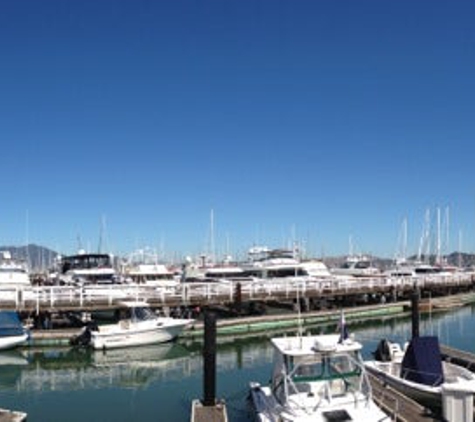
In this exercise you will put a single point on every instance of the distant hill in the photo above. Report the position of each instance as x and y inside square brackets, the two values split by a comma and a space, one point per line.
[37, 257]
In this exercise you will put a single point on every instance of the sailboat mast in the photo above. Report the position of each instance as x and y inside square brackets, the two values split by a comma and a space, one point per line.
[212, 251]
[438, 258]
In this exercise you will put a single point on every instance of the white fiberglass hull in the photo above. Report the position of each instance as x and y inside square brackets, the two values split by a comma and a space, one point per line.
[10, 342]
[126, 333]
[430, 396]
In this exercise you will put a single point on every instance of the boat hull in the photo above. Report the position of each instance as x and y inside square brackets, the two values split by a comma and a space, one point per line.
[426, 395]
[10, 342]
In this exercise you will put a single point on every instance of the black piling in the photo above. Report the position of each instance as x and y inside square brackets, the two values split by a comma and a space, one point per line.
[238, 298]
[209, 409]
[209, 357]
[415, 311]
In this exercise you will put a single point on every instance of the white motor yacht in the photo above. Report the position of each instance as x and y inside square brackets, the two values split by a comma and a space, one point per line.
[356, 266]
[12, 271]
[86, 268]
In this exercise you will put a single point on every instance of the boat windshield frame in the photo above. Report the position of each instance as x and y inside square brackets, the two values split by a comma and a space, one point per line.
[142, 313]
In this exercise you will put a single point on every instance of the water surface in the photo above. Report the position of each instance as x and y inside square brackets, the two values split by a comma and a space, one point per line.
[158, 383]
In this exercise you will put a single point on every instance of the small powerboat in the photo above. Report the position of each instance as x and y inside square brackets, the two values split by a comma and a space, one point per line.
[418, 371]
[137, 325]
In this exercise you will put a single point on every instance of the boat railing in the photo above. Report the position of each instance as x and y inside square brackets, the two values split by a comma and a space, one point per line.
[255, 288]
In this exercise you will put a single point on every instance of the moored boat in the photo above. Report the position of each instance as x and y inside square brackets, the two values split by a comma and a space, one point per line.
[316, 378]
[136, 325]
[418, 371]
[12, 331]
[13, 272]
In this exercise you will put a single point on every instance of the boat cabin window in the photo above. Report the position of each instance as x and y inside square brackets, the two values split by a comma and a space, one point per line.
[323, 368]
[12, 270]
[85, 261]
[285, 272]
[142, 314]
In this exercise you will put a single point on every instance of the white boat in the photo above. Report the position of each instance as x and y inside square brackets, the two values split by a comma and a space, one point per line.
[418, 370]
[13, 272]
[151, 275]
[12, 332]
[86, 268]
[137, 325]
[283, 265]
[356, 266]
[143, 267]
[316, 378]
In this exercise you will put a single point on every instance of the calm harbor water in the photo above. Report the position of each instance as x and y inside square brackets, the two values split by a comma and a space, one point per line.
[158, 383]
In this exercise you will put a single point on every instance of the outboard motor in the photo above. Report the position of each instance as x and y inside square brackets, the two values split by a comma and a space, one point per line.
[83, 339]
[383, 351]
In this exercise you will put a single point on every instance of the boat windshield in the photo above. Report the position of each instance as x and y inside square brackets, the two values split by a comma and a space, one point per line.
[142, 314]
[323, 367]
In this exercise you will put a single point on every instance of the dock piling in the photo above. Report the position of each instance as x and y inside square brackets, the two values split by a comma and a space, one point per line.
[209, 409]
[209, 357]
[415, 311]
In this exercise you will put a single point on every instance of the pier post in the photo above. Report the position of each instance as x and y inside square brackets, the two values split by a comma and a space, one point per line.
[209, 409]
[209, 357]
[415, 311]
[238, 299]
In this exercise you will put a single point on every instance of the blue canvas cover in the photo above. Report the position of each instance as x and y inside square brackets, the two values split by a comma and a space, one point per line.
[10, 324]
[422, 362]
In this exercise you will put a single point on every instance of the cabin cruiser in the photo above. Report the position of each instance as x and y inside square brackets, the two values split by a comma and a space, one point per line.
[280, 264]
[143, 267]
[137, 325]
[418, 371]
[152, 275]
[316, 378]
[13, 272]
[356, 266]
[86, 268]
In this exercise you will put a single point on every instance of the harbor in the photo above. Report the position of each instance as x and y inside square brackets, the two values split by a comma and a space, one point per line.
[231, 333]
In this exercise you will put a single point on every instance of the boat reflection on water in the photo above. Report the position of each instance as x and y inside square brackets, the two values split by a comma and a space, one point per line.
[12, 358]
[51, 369]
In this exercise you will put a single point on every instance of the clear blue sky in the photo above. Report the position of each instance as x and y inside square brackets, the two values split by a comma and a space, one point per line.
[313, 120]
